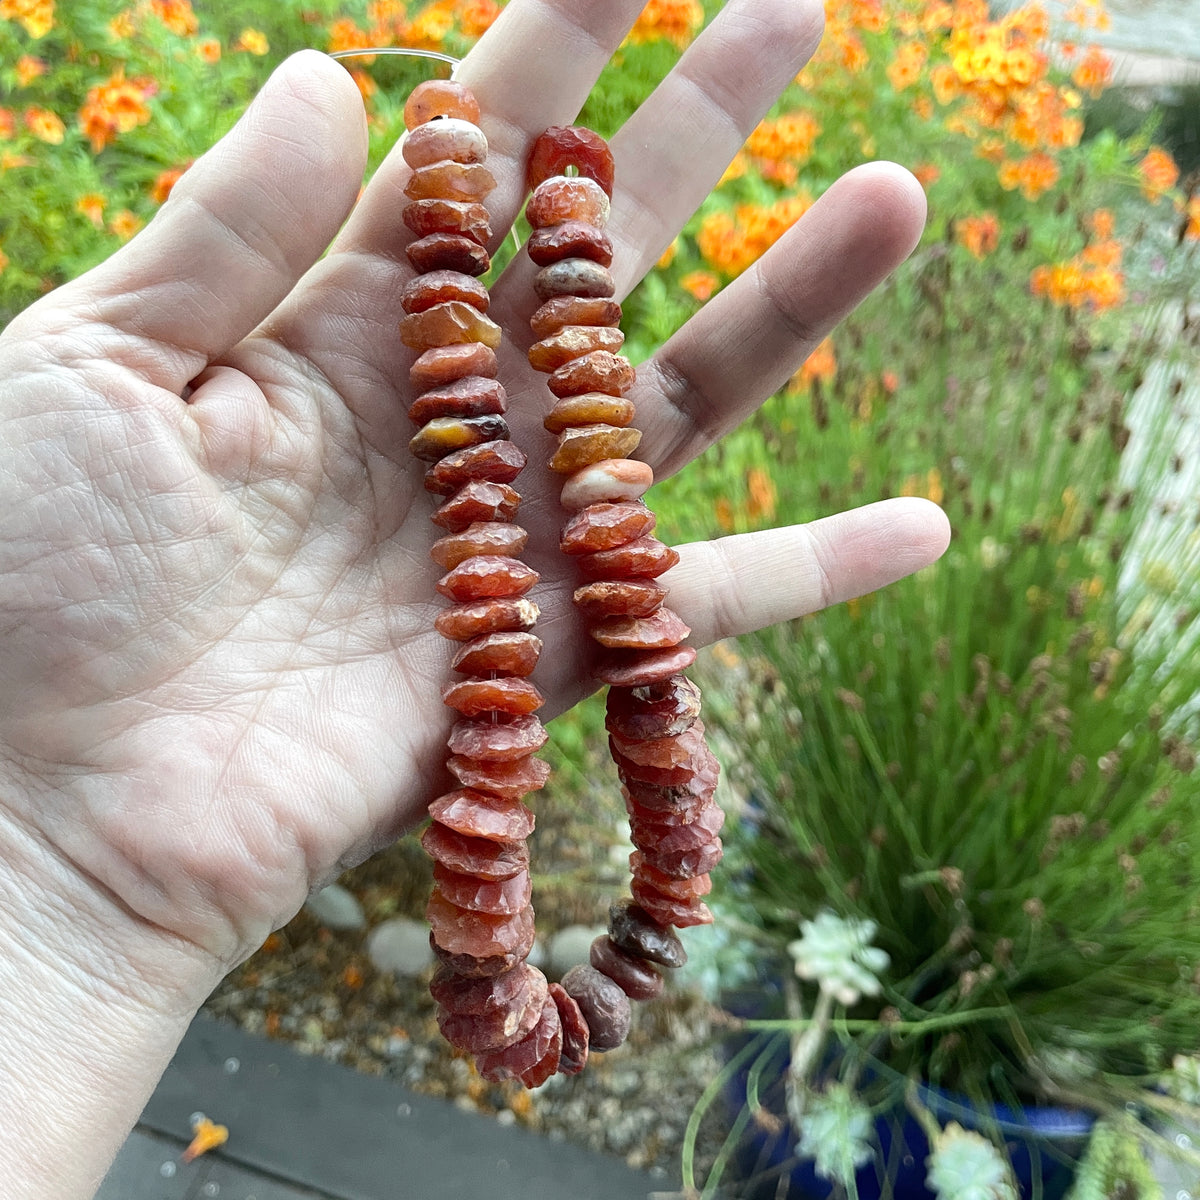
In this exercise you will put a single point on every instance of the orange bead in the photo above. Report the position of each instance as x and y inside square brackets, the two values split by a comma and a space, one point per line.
[465, 622]
[484, 537]
[471, 396]
[436, 287]
[637, 668]
[604, 527]
[448, 251]
[644, 557]
[662, 629]
[564, 146]
[440, 98]
[510, 695]
[509, 780]
[571, 239]
[619, 598]
[591, 408]
[560, 311]
[497, 741]
[450, 181]
[599, 371]
[436, 215]
[448, 324]
[505, 653]
[441, 365]
[482, 576]
[478, 500]
[570, 343]
[477, 814]
[587, 444]
[563, 199]
[444, 435]
[496, 462]
[453, 138]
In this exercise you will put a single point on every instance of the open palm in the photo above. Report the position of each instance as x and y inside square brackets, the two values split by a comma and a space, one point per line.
[220, 677]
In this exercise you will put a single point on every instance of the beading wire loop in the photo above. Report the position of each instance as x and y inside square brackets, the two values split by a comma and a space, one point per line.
[410, 52]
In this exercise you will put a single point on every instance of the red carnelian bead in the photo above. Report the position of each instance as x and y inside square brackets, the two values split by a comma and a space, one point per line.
[605, 526]
[523, 1058]
[496, 462]
[509, 694]
[508, 780]
[619, 598]
[461, 931]
[547, 1065]
[475, 968]
[499, 1025]
[571, 342]
[571, 239]
[436, 287]
[574, 1054]
[637, 978]
[609, 481]
[498, 896]
[453, 138]
[563, 146]
[561, 311]
[681, 913]
[464, 622]
[662, 710]
[478, 500]
[444, 435]
[677, 889]
[674, 839]
[450, 252]
[685, 797]
[466, 995]
[661, 752]
[586, 444]
[441, 365]
[644, 557]
[484, 537]
[592, 408]
[574, 277]
[435, 215]
[504, 653]
[637, 668]
[476, 814]
[440, 98]
[659, 631]
[563, 199]
[468, 182]
[482, 576]
[447, 324]
[474, 856]
[472, 396]
[497, 741]
[600, 371]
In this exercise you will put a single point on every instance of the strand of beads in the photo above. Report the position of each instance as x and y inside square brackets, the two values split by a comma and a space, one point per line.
[492, 1003]
[668, 773]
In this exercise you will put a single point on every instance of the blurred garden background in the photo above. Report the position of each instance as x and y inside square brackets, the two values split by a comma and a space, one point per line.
[1032, 368]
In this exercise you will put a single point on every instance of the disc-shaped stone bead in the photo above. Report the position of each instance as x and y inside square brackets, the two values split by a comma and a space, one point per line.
[604, 1005]
[574, 277]
[609, 480]
[436, 287]
[637, 978]
[662, 629]
[450, 181]
[509, 694]
[463, 622]
[448, 251]
[636, 668]
[644, 557]
[677, 889]
[599, 371]
[684, 864]
[503, 653]
[453, 138]
[586, 444]
[670, 839]
[605, 526]
[619, 598]
[592, 408]
[497, 741]
[440, 98]
[681, 913]
[568, 198]
[444, 435]
[508, 780]
[633, 930]
[470, 996]
[478, 501]
[560, 311]
[482, 576]
[435, 215]
[562, 146]
[447, 324]
[527, 1059]
[573, 1057]
[474, 856]
[475, 968]
[683, 813]
[666, 709]
[500, 1025]
[571, 239]
[477, 814]
[442, 365]
[661, 752]
[482, 935]
[501, 897]
[571, 342]
[651, 799]
[483, 537]
[496, 462]
[473, 396]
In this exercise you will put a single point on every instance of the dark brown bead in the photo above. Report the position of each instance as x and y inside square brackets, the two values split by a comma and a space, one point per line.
[662, 710]
[449, 252]
[560, 311]
[642, 558]
[478, 500]
[571, 342]
[571, 239]
[474, 856]
[483, 576]
[564, 146]
[479, 815]
[509, 694]
[436, 287]
[633, 930]
[452, 138]
[504, 653]
[604, 527]
[499, 741]
[495, 462]
[600, 371]
[450, 181]
[574, 277]
[638, 668]
[442, 365]
[604, 1005]
[619, 598]
[435, 215]
[483, 537]
[634, 976]
[444, 435]
[661, 630]
[575, 1032]
[508, 780]
[440, 98]
[472, 396]
[465, 622]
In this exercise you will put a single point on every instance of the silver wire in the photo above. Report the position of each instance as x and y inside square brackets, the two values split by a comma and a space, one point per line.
[411, 53]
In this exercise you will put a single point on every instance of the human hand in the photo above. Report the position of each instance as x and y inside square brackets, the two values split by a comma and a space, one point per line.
[221, 677]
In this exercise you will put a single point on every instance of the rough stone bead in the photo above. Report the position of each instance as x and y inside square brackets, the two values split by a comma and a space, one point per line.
[681, 913]
[469, 996]
[478, 500]
[574, 277]
[560, 311]
[683, 864]
[472, 396]
[494, 1028]
[477, 814]
[440, 98]
[663, 710]
[683, 813]
[508, 780]
[502, 741]
[450, 181]
[657, 632]
[664, 761]
[563, 146]
[573, 1057]
[571, 342]
[587, 444]
[637, 668]
[609, 481]
[547, 1065]
[565, 198]
[672, 839]
[444, 435]
[600, 371]
[461, 931]
[436, 287]
[436, 215]
[501, 897]
[571, 239]
[634, 976]
[526, 1060]
[644, 557]
[677, 889]
[633, 930]
[496, 462]
[474, 856]
[483, 576]
[591, 408]
[504, 653]
[483, 537]
[464, 622]
[619, 598]
[604, 1005]
[604, 527]
[453, 138]
[510, 695]
[448, 251]
[442, 365]
[448, 324]
[472, 967]
[652, 801]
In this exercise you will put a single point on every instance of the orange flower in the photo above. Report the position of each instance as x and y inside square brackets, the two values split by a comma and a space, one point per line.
[176, 15]
[1101, 223]
[430, 29]
[29, 67]
[789, 137]
[35, 16]
[4, 261]
[762, 495]
[207, 1136]
[980, 234]
[209, 49]
[122, 27]
[723, 511]
[674, 21]
[92, 207]
[927, 174]
[1191, 230]
[1159, 172]
[367, 87]
[476, 17]
[700, 284]
[730, 242]
[8, 123]
[44, 125]
[345, 35]
[820, 364]
[252, 42]
[905, 68]
[160, 189]
[125, 224]
[1093, 72]
[667, 257]
[1034, 174]
[114, 107]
